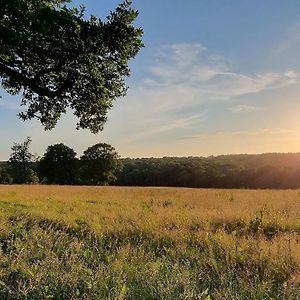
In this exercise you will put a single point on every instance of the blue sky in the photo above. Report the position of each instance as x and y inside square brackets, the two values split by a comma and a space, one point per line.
[215, 77]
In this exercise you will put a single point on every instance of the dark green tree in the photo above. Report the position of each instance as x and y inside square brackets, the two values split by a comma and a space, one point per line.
[22, 163]
[59, 165]
[5, 176]
[99, 164]
[57, 59]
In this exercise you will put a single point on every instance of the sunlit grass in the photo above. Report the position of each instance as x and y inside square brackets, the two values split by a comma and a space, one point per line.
[148, 243]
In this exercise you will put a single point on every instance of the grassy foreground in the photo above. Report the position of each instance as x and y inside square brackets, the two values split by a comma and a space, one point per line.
[148, 243]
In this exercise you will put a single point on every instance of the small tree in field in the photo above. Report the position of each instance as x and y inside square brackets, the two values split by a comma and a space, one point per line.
[22, 163]
[59, 165]
[99, 164]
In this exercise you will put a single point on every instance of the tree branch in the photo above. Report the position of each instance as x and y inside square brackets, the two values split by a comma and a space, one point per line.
[32, 84]
[48, 70]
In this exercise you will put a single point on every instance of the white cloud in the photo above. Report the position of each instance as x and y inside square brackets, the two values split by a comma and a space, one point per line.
[243, 108]
[191, 67]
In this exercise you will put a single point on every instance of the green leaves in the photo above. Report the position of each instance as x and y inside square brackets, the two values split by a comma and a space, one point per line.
[57, 59]
[99, 164]
[59, 165]
[21, 163]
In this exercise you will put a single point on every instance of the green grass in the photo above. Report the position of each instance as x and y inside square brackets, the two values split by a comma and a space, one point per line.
[139, 243]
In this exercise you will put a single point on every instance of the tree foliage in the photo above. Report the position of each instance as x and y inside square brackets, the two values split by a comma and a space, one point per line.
[59, 165]
[58, 59]
[273, 170]
[22, 163]
[5, 176]
[99, 164]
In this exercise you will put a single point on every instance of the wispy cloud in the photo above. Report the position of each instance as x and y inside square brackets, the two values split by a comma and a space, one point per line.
[183, 79]
[192, 68]
[261, 132]
[165, 126]
[243, 108]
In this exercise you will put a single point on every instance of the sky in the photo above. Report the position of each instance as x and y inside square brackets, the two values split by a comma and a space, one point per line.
[215, 77]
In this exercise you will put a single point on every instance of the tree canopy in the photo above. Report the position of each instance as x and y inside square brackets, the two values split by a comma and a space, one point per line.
[20, 152]
[58, 59]
[22, 163]
[59, 165]
[270, 170]
[99, 164]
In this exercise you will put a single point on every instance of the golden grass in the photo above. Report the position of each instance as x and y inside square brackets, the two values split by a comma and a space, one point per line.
[263, 222]
[164, 210]
[154, 207]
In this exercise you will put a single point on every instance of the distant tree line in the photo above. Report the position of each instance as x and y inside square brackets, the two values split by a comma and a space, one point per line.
[272, 170]
[100, 164]
[59, 165]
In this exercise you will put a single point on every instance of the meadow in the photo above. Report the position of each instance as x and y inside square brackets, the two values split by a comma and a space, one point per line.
[63, 242]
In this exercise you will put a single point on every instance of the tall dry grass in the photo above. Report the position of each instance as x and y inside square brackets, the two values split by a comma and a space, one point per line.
[148, 243]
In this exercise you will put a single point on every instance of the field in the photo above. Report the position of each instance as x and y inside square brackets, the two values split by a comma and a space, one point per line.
[61, 242]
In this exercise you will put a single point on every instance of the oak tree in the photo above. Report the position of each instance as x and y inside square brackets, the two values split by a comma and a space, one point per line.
[56, 58]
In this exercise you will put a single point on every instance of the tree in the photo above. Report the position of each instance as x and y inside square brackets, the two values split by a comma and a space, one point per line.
[59, 59]
[5, 177]
[22, 163]
[99, 164]
[59, 165]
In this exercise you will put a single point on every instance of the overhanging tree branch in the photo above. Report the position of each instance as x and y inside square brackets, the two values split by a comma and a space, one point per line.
[60, 59]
